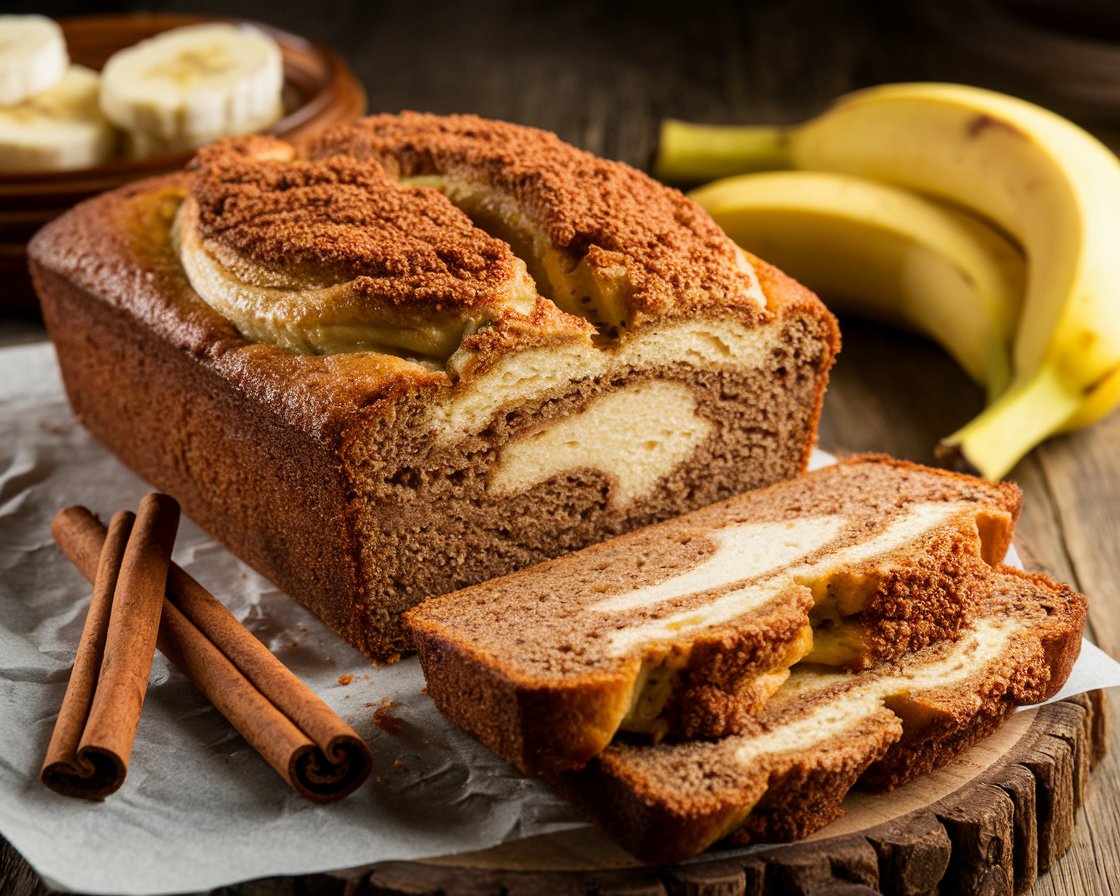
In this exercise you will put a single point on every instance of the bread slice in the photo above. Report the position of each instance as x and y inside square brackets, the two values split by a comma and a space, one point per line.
[825, 730]
[687, 627]
[426, 352]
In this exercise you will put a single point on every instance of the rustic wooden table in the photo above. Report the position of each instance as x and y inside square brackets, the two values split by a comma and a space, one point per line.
[603, 79]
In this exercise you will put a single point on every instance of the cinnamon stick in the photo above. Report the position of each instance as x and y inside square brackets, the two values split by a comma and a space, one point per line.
[91, 744]
[315, 751]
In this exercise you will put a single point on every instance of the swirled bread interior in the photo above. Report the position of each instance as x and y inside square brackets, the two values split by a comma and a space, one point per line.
[425, 351]
[688, 627]
[825, 731]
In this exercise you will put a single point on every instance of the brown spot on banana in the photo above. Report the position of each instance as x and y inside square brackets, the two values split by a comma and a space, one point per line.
[976, 126]
[1089, 388]
[951, 456]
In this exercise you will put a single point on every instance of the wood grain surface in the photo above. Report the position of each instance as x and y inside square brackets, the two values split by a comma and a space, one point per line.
[602, 76]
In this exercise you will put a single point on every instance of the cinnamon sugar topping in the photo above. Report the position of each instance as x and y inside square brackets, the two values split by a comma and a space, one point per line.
[407, 234]
[340, 219]
[601, 211]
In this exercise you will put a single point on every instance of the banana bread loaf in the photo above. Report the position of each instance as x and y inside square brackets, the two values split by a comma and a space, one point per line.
[424, 352]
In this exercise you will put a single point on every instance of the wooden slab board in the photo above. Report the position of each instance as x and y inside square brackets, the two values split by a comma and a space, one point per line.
[987, 823]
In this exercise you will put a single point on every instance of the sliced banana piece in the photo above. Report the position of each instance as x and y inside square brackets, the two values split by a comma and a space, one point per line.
[33, 57]
[142, 145]
[190, 85]
[60, 129]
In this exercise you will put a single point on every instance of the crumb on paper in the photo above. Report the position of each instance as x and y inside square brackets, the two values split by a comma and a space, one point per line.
[384, 719]
[345, 679]
[57, 429]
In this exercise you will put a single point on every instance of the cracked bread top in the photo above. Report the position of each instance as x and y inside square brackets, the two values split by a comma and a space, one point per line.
[274, 232]
[407, 234]
[673, 256]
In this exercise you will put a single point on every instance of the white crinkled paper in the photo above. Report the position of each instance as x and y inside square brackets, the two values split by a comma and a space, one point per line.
[200, 808]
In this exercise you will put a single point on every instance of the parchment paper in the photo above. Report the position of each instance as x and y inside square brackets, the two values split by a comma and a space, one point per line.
[199, 808]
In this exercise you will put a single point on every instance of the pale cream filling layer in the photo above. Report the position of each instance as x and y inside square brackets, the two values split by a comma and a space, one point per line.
[765, 550]
[744, 551]
[970, 656]
[516, 379]
[637, 436]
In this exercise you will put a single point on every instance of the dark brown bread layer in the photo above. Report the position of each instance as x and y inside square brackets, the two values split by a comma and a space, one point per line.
[508, 659]
[781, 781]
[313, 468]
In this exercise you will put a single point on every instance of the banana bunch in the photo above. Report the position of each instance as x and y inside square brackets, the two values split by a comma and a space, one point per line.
[50, 118]
[1048, 351]
[188, 86]
[878, 251]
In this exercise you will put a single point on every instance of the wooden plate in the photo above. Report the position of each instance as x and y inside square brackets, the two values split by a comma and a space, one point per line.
[319, 91]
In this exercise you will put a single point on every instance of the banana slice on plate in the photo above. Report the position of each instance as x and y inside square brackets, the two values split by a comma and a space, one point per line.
[33, 57]
[59, 129]
[190, 85]
[142, 145]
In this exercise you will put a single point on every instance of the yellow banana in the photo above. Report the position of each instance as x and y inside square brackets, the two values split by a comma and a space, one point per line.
[879, 251]
[1047, 183]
